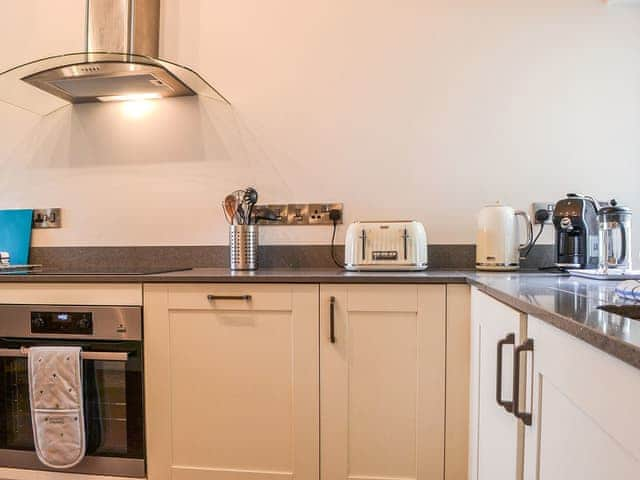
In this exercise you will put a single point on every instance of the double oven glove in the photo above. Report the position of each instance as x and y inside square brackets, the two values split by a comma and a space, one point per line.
[55, 394]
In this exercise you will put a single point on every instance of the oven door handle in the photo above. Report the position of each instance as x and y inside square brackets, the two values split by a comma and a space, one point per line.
[102, 356]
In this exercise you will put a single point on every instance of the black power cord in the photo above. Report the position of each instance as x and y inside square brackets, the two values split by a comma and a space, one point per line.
[335, 216]
[541, 216]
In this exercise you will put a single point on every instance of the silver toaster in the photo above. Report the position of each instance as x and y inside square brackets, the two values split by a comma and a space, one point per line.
[398, 245]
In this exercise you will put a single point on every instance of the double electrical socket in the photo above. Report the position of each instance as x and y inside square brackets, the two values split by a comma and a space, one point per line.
[47, 218]
[300, 213]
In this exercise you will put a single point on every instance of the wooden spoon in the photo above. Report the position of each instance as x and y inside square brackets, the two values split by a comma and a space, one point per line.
[230, 208]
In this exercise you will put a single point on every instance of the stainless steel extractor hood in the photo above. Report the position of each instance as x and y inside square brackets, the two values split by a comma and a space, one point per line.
[120, 63]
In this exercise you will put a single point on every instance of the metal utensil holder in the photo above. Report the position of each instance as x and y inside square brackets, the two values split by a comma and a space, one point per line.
[243, 247]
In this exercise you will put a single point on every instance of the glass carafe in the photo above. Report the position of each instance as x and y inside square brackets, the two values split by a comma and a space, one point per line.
[614, 226]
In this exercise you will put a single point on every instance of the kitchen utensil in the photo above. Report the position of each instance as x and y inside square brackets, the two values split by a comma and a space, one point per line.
[240, 212]
[576, 222]
[226, 214]
[397, 245]
[614, 239]
[15, 234]
[251, 198]
[243, 247]
[497, 244]
[230, 208]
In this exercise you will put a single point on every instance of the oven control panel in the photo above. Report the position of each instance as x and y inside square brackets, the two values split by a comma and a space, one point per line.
[71, 323]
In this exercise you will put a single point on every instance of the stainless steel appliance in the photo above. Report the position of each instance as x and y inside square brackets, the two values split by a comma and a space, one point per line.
[614, 226]
[399, 245]
[120, 62]
[112, 352]
[576, 223]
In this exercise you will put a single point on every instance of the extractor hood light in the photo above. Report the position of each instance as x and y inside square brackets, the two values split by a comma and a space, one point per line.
[130, 97]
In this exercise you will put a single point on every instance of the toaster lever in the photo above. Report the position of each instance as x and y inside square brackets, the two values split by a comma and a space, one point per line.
[363, 236]
[405, 237]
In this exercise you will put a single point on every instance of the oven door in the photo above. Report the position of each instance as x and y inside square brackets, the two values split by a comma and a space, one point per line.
[113, 406]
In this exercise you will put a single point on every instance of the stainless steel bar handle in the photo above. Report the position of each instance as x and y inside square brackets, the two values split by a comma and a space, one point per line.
[508, 340]
[524, 416]
[212, 298]
[332, 319]
[103, 356]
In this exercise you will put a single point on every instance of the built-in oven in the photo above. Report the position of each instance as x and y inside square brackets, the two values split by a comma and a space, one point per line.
[113, 379]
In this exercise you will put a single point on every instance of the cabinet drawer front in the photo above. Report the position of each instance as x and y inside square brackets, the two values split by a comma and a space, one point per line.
[382, 298]
[129, 294]
[230, 297]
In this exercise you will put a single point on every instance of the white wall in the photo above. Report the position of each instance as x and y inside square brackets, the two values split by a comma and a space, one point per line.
[414, 108]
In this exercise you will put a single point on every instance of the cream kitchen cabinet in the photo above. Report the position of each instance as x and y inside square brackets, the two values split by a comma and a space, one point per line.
[232, 382]
[496, 435]
[382, 381]
[577, 406]
[584, 405]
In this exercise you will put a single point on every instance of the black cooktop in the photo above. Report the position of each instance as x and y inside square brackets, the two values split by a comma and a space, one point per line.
[110, 270]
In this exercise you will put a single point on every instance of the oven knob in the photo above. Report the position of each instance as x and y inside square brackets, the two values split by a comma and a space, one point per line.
[39, 321]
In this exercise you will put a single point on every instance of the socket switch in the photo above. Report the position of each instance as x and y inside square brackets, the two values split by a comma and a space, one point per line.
[298, 214]
[280, 209]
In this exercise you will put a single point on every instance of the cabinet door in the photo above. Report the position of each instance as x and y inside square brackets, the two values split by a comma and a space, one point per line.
[585, 420]
[382, 382]
[231, 382]
[496, 436]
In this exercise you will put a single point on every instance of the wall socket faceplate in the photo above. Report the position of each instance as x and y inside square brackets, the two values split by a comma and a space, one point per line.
[301, 213]
[548, 206]
[280, 209]
[319, 213]
[47, 218]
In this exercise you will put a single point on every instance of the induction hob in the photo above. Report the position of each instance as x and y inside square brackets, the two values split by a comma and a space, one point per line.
[104, 270]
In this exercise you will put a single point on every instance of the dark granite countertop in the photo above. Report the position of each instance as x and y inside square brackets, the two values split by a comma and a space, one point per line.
[568, 303]
[311, 275]
[224, 275]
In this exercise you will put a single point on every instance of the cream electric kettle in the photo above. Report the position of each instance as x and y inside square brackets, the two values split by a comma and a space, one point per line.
[498, 244]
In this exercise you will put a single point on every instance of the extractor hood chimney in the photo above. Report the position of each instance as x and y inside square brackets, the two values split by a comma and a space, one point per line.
[120, 63]
[129, 26]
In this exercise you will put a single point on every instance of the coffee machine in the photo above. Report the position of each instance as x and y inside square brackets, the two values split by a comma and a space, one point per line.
[576, 221]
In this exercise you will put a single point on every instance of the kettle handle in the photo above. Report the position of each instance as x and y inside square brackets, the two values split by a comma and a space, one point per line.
[527, 218]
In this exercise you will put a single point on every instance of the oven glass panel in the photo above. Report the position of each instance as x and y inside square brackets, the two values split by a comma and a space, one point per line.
[113, 401]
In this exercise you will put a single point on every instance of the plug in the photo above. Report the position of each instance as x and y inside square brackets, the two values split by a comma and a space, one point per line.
[335, 215]
[542, 215]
